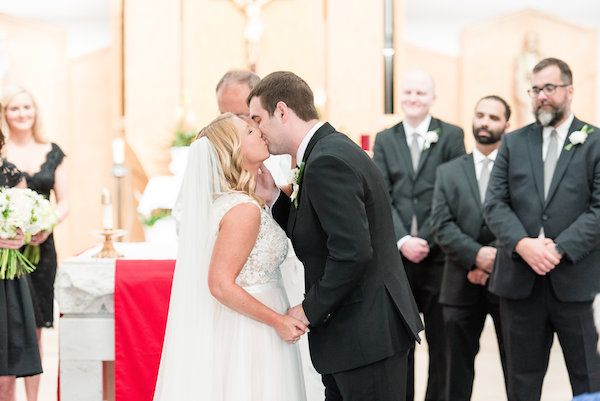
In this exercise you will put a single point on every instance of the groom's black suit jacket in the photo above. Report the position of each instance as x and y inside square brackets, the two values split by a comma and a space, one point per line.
[515, 208]
[459, 228]
[358, 299]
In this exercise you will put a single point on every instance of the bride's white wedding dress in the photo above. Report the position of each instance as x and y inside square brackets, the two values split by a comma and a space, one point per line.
[210, 352]
[253, 362]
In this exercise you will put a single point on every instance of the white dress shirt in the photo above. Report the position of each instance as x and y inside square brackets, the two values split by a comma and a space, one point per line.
[478, 159]
[304, 144]
[562, 131]
[421, 129]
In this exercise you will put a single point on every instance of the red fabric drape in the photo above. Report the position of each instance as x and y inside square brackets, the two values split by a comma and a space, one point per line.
[142, 292]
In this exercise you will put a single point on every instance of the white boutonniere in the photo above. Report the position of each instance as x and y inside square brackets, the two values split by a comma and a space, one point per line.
[578, 137]
[296, 182]
[431, 137]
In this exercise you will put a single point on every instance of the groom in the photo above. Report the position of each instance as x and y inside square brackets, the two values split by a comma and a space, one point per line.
[360, 308]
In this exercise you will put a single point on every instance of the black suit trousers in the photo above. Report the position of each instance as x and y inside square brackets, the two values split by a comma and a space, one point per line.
[425, 281]
[529, 325]
[384, 380]
[464, 325]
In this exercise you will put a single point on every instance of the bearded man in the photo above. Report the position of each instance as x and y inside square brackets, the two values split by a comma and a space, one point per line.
[543, 206]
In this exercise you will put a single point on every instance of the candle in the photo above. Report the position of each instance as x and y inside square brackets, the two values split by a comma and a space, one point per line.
[118, 151]
[107, 216]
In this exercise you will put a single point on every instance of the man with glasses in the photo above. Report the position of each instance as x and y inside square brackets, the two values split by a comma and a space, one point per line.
[543, 205]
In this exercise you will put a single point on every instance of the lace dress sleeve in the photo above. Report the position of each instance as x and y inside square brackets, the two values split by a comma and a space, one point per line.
[11, 175]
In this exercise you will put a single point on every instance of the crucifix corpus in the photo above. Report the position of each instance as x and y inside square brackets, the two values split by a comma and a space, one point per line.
[254, 27]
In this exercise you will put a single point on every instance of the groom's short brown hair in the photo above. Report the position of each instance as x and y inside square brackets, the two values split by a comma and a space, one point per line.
[287, 87]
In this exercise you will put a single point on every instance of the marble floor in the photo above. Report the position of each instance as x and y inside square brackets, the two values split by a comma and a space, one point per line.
[488, 384]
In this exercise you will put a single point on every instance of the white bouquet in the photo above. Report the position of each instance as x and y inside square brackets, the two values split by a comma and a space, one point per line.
[26, 211]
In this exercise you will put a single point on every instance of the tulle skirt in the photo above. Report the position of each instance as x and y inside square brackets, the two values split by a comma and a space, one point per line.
[252, 363]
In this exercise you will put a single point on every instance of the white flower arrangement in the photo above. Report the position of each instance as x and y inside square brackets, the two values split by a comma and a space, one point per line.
[26, 211]
[431, 137]
[578, 137]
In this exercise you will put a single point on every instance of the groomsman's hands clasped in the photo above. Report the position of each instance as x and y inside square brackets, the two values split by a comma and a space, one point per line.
[539, 253]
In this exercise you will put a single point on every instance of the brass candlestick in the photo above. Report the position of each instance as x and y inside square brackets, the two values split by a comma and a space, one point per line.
[108, 250]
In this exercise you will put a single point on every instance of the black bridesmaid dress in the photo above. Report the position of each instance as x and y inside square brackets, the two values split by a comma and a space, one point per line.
[42, 279]
[19, 353]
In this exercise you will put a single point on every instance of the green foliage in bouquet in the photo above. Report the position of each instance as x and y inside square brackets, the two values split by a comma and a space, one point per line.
[13, 264]
[32, 253]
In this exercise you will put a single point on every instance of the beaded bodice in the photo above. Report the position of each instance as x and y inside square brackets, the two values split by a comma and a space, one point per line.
[270, 249]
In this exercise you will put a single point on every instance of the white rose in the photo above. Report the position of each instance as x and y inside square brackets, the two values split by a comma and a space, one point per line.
[577, 137]
[296, 188]
[431, 137]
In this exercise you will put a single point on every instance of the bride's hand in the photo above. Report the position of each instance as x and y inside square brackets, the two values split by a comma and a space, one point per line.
[290, 329]
[265, 185]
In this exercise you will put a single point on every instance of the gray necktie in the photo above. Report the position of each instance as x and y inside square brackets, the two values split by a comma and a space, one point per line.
[415, 151]
[484, 177]
[415, 155]
[550, 162]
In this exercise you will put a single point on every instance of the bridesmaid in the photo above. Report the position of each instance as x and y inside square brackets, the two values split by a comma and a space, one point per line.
[19, 354]
[42, 165]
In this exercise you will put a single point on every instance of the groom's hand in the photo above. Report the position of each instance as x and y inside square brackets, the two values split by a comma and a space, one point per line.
[297, 312]
[265, 186]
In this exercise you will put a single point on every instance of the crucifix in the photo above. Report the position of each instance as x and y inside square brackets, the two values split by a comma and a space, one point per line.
[254, 27]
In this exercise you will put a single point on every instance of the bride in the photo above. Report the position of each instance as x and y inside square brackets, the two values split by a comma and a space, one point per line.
[228, 336]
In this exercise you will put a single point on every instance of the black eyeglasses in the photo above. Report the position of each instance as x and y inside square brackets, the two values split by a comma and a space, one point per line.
[548, 89]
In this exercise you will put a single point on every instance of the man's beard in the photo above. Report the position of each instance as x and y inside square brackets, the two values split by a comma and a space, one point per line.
[549, 117]
[495, 136]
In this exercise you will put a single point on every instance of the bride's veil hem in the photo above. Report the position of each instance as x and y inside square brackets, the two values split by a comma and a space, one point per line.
[186, 364]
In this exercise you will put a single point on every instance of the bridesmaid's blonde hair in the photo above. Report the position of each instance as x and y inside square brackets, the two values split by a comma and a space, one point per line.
[7, 96]
[223, 135]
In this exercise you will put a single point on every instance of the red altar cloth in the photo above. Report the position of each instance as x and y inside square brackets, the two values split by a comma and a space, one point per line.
[142, 292]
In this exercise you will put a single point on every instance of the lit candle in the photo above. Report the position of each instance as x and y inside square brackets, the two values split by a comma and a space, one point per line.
[118, 151]
[107, 216]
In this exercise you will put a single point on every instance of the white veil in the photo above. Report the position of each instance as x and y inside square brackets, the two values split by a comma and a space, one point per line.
[186, 361]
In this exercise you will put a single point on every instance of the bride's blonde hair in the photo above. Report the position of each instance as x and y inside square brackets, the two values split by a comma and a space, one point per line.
[223, 135]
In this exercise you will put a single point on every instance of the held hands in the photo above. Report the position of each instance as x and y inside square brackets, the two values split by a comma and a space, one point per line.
[290, 329]
[539, 253]
[415, 249]
[265, 185]
[485, 259]
[297, 314]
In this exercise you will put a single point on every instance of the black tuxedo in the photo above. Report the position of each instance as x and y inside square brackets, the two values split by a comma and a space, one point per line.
[532, 306]
[458, 227]
[411, 194]
[358, 300]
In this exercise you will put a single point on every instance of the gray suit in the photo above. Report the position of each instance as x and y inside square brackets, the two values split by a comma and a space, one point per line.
[533, 306]
[411, 194]
[459, 228]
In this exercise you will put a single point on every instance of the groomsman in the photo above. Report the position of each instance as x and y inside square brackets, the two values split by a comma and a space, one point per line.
[459, 229]
[543, 205]
[408, 155]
